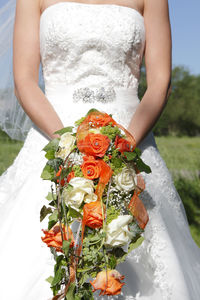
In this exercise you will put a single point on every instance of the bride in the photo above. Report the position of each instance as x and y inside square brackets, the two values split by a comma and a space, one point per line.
[86, 48]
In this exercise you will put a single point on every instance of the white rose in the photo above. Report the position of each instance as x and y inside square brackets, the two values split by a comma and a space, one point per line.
[81, 188]
[126, 180]
[65, 145]
[90, 198]
[117, 232]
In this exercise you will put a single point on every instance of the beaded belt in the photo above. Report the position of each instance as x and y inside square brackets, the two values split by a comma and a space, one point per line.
[89, 95]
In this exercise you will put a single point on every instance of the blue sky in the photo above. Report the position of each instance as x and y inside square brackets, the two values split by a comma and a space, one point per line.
[185, 24]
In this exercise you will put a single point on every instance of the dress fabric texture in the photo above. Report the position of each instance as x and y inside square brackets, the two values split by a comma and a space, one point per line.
[94, 46]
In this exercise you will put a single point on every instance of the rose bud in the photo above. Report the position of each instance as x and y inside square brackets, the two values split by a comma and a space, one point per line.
[92, 214]
[53, 237]
[109, 283]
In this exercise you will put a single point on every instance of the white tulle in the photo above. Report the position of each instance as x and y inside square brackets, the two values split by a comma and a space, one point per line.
[94, 45]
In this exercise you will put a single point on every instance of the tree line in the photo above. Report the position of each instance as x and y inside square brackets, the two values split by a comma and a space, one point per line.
[181, 115]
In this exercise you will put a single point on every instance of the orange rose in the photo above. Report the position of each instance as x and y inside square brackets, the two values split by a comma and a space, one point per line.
[94, 144]
[53, 237]
[109, 283]
[92, 214]
[123, 145]
[91, 167]
[99, 119]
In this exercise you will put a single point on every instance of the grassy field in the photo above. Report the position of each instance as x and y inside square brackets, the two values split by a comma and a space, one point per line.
[181, 155]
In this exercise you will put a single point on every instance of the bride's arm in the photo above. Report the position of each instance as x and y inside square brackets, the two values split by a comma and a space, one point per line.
[26, 61]
[158, 68]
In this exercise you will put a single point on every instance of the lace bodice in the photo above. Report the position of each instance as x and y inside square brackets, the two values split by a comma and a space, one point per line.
[85, 44]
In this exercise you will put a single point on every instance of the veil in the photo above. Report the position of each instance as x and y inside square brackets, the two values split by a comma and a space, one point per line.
[13, 120]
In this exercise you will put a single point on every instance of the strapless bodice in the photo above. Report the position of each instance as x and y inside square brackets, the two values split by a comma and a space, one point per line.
[91, 45]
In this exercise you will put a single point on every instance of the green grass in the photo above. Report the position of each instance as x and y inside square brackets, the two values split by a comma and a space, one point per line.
[8, 151]
[181, 155]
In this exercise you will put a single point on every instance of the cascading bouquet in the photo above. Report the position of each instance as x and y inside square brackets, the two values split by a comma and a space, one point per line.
[95, 215]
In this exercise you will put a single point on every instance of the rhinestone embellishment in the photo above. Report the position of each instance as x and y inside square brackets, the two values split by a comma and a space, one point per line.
[89, 95]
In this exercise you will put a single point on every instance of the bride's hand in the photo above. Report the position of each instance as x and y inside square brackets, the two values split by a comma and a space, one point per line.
[158, 68]
[26, 61]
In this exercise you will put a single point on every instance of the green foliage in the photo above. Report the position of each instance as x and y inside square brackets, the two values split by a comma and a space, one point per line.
[77, 171]
[112, 214]
[130, 155]
[181, 115]
[64, 130]
[135, 157]
[84, 293]
[44, 212]
[117, 164]
[65, 247]
[48, 172]
[78, 122]
[70, 292]
[52, 145]
[189, 191]
[53, 219]
[142, 167]
[110, 131]
[73, 213]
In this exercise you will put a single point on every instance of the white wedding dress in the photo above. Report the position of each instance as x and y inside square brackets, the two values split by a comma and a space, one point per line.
[93, 46]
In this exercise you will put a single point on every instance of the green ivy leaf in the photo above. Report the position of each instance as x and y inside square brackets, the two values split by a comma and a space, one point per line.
[50, 154]
[52, 145]
[54, 216]
[58, 277]
[70, 292]
[78, 122]
[137, 151]
[50, 279]
[47, 173]
[135, 244]
[49, 197]
[64, 130]
[53, 219]
[119, 254]
[73, 213]
[44, 212]
[65, 247]
[55, 163]
[142, 167]
[112, 261]
[130, 155]
[91, 110]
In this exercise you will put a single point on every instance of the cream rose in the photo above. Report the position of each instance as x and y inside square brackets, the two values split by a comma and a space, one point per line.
[82, 189]
[126, 180]
[65, 145]
[90, 198]
[117, 231]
